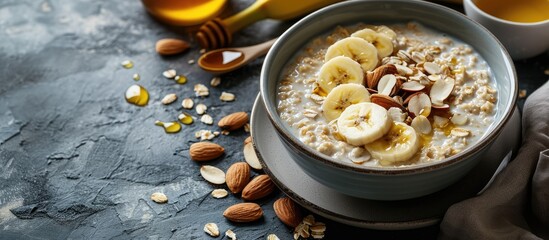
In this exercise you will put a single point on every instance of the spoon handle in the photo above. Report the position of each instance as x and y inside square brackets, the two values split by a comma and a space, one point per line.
[259, 49]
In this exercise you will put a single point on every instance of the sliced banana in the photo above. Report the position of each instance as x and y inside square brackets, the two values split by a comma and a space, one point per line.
[382, 42]
[363, 123]
[387, 31]
[357, 49]
[399, 144]
[339, 70]
[343, 96]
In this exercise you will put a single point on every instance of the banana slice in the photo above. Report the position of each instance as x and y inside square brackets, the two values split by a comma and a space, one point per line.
[363, 123]
[387, 31]
[339, 70]
[356, 48]
[343, 96]
[400, 144]
[382, 42]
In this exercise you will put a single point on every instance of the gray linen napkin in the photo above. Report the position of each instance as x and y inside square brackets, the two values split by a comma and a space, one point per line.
[516, 205]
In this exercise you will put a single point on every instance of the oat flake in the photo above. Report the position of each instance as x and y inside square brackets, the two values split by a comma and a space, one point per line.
[207, 119]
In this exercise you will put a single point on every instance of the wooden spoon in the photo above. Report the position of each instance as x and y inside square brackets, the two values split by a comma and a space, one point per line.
[228, 59]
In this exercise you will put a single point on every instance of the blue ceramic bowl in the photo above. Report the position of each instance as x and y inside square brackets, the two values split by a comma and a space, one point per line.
[377, 182]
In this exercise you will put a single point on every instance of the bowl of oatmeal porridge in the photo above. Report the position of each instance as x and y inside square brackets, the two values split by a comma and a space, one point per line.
[387, 100]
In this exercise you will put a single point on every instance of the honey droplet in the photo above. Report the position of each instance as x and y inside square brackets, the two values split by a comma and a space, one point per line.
[185, 118]
[136, 77]
[169, 127]
[181, 79]
[137, 95]
[127, 64]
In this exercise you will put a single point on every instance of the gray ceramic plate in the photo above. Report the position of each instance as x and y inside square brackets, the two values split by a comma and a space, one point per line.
[404, 214]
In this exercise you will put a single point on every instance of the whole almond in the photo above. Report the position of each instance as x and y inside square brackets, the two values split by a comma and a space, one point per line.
[258, 187]
[385, 101]
[238, 176]
[372, 78]
[233, 121]
[243, 212]
[287, 211]
[170, 46]
[205, 151]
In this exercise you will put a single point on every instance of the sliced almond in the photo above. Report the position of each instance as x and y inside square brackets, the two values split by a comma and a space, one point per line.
[431, 68]
[259, 187]
[441, 110]
[422, 125]
[397, 114]
[219, 193]
[287, 211]
[212, 174]
[201, 108]
[251, 157]
[211, 229]
[459, 119]
[205, 151]
[404, 71]
[460, 132]
[243, 212]
[441, 89]
[159, 197]
[233, 121]
[420, 104]
[170, 98]
[238, 176]
[187, 103]
[385, 101]
[372, 78]
[170, 46]
[386, 84]
[227, 97]
[412, 86]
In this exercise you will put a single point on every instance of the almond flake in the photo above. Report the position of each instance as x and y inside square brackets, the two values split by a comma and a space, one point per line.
[386, 84]
[226, 97]
[420, 104]
[431, 68]
[230, 234]
[201, 108]
[219, 193]
[211, 229]
[251, 157]
[460, 132]
[441, 89]
[169, 74]
[434, 77]
[159, 197]
[207, 119]
[459, 119]
[403, 70]
[212, 174]
[215, 81]
[170, 98]
[201, 90]
[272, 237]
[412, 86]
[422, 125]
[187, 103]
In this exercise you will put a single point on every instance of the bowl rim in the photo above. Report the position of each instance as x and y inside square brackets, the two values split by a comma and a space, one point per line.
[484, 142]
[474, 6]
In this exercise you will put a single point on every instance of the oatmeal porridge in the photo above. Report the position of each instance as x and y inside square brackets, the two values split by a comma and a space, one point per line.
[393, 95]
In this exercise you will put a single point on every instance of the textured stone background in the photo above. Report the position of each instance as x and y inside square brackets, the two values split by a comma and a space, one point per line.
[78, 162]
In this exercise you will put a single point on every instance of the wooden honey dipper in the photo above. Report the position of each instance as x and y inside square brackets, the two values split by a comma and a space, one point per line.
[217, 33]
